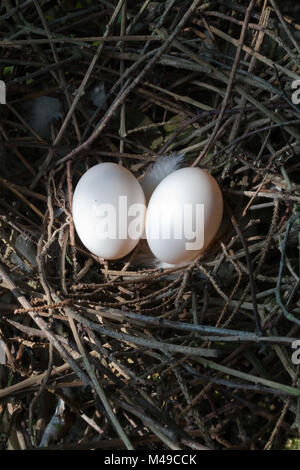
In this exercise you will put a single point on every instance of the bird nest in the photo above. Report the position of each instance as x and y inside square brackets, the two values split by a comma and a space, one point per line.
[98, 354]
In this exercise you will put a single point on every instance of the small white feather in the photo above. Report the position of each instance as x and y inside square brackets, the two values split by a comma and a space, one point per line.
[42, 111]
[163, 166]
[97, 94]
[53, 429]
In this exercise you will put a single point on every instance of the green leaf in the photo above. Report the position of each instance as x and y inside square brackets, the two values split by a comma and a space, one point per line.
[8, 70]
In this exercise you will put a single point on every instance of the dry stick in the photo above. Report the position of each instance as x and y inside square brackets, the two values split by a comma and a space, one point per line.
[56, 59]
[34, 227]
[15, 189]
[91, 371]
[57, 62]
[129, 71]
[13, 11]
[32, 381]
[265, 60]
[74, 408]
[256, 131]
[270, 195]
[41, 248]
[282, 415]
[122, 130]
[259, 39]
[229, 86]
[128, 87]
[71, 227]
[151, 344]
[285, 26]
[260, 28]
[43, 326]
[19, 43]
[25, 123]
[40, 391]
[22, 189]
[42, 70]
[160, 431]
[279, 301]
[278, 424]
[160, 22]
[231, 335]
[250, 273]
[94, 13]
[62, 267]
[65, 88]
[32, 331]
[235, 7]
[292, 391]
[236, 267]
[137, 17]
[261, 261]
[194, 119]
[79, 93]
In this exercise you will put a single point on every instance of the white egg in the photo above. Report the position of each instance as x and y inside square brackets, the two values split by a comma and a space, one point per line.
[184, 214]
[109, 210]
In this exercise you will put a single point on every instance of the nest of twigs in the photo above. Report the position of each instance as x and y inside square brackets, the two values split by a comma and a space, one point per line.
[99, 354]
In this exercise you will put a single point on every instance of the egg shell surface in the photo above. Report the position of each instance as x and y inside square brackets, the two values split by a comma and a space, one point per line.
[102, 185]
[175, 203]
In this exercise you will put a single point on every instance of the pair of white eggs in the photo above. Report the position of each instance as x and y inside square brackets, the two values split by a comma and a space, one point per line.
[181, 219]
